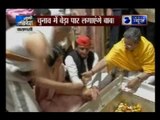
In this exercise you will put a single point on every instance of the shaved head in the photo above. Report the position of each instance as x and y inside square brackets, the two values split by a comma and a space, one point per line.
[36, 44]
[60, 33]
[65, 29]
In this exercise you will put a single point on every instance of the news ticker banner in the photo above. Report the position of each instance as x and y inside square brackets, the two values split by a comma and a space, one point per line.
[136, 20]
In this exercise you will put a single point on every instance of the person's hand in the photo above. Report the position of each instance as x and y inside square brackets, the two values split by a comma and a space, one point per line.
[86, 94]
[86, 77]
[95, 93]
[134, 83]
[131, 86]
[85, 80]
[89, 94]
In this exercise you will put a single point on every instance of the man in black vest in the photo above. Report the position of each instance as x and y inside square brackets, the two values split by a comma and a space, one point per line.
[80, 60]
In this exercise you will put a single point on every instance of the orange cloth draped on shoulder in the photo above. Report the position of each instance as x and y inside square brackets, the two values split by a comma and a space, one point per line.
[140, 59]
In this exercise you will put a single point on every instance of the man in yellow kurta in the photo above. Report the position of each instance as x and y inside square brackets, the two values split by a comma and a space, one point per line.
[133, 53]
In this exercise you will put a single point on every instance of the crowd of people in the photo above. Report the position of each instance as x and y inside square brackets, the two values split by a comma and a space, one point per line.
[44, 75]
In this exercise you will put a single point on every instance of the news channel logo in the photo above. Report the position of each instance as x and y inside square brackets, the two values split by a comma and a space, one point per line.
[136, 20]
[25, 20]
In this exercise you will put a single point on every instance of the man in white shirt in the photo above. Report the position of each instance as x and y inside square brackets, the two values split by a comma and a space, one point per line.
[26, 52]
[80, 60]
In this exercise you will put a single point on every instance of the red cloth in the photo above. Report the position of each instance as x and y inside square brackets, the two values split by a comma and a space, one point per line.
[83, 40]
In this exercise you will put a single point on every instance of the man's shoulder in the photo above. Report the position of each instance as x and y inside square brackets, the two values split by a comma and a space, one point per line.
[146, 42]
[71, 54]
[68, 59]
[119, 46]
[93, 53]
